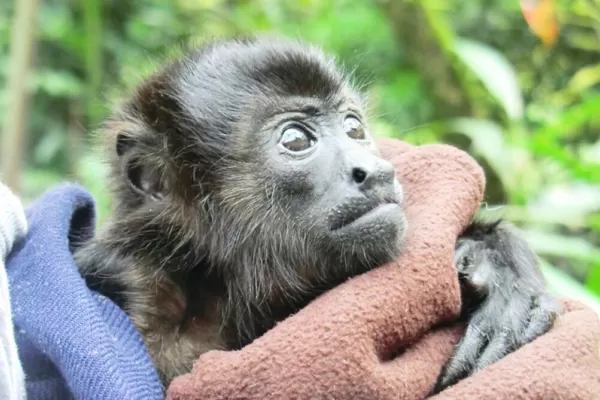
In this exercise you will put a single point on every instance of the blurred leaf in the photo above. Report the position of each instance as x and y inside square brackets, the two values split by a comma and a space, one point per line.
[585, 78]
[495, 72]
[59, 27]
[93, 172]
[561, 284]
[194, 5]
[577, 196]
[57, 83]
[545, 141]
[36, 181]
[591, 153]
[49, 146]
[583, 41]
[487, 140]
[545, 243]
[593, 279]
[58, 22]
[532, 215]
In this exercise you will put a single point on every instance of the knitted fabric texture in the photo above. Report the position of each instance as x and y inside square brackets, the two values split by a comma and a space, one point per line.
[73, 343]
[377, 336]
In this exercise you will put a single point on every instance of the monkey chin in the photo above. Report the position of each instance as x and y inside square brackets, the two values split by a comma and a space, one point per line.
[374, 237]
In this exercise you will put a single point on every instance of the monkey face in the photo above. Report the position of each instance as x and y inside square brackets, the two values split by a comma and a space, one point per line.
[330, 181]
[263, 153]
[311, 163]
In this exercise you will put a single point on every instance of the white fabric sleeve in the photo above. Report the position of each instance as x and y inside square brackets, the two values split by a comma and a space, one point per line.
[13, 227]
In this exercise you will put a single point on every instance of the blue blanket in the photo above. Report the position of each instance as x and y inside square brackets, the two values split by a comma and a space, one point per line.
[73, 342]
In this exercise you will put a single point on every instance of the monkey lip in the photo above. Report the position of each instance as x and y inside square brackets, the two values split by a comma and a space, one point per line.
[357, 215]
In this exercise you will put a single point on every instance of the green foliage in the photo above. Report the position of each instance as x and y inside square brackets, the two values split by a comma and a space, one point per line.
[532, 121]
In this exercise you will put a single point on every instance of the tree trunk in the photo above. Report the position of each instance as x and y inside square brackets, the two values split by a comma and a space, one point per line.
[22, 43]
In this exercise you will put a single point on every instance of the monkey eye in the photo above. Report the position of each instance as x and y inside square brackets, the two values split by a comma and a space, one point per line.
[297, 139]
[354, 128]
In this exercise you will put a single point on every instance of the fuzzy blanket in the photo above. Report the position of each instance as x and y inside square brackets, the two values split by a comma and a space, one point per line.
[376, 336]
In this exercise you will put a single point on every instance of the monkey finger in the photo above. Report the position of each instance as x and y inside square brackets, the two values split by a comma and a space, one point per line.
[501, 344]
[465, 355]
[509, 332]
[542, 318]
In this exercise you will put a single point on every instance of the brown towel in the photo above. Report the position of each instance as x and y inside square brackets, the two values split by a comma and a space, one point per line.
[345, 344]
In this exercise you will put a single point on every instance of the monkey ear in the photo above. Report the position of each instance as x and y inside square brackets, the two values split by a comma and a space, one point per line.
[142, 178]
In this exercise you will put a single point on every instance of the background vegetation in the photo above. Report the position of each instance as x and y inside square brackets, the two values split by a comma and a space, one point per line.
[491, 76]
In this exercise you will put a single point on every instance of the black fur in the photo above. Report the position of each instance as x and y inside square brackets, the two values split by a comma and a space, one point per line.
[218, 232]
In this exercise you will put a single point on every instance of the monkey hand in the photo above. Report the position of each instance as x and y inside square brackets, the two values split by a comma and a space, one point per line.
[511, 306]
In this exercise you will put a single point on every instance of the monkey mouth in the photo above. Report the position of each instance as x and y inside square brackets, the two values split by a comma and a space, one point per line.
[355, 213]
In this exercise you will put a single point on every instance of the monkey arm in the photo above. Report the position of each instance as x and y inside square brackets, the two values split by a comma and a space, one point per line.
[505, 300]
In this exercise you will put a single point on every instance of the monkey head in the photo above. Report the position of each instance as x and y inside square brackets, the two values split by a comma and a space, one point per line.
[256, 154]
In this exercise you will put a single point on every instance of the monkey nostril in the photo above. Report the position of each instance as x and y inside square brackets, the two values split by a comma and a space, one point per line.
[359, 175]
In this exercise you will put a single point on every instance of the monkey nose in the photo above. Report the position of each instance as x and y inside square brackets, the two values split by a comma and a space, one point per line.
[372, 172]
